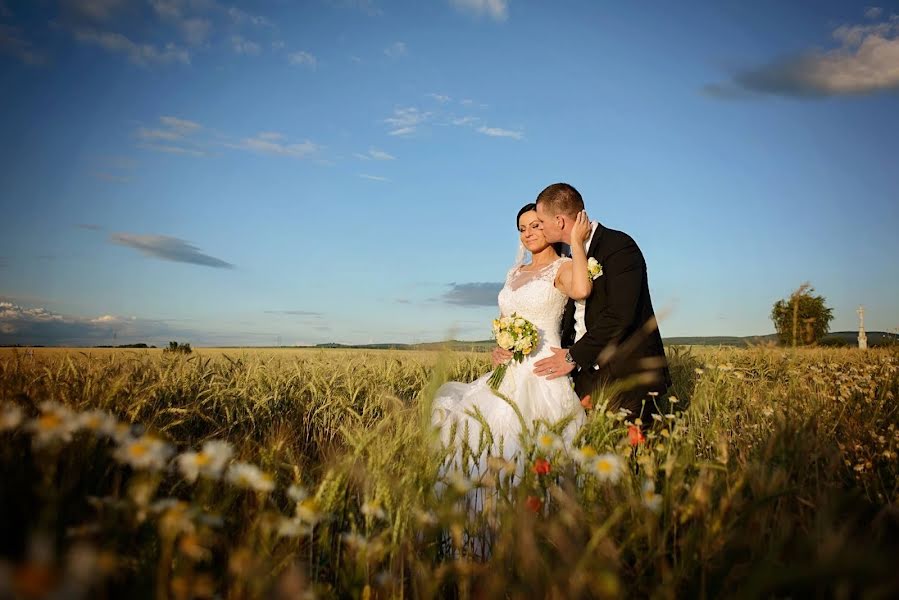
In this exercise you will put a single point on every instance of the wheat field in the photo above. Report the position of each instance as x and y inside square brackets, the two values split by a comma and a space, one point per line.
[314, 473]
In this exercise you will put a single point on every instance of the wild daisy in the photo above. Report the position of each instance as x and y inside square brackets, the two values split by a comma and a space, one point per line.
[651, 499]
[98, 422]
[251, 477]
[607, 467]
[548, 442]
[56, 423]
[307, 512]
[585, 456]
[293, 528]
[11, 416]
[372, 508]
[145, 452]
[208, 462]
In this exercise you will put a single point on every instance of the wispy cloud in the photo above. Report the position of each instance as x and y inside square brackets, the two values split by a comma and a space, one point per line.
[174, 136]
[463, 121]
[866, 61]
[498, 132]
[405, 121]
[13, 43]
[302, 58]
[441, 98]
[168, 248]
[240, 17]
[396, 50]
[240, 45]
[139, 54]
[472, 294]
[299, 313]
[276, 144]
[375, 154]
[373, 177]
[873, 12]
[495, 9]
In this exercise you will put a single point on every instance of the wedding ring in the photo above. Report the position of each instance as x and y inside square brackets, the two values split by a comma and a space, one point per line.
[552, 370]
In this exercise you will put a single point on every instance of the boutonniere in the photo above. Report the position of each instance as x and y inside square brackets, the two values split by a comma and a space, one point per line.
[594, 269]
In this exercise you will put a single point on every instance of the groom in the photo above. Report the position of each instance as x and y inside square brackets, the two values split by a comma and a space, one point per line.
[612, 336]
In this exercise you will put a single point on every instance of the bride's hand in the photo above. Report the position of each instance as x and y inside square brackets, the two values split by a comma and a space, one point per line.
[580, 231]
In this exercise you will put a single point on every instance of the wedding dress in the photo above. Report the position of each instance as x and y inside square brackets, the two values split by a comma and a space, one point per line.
[533, 295]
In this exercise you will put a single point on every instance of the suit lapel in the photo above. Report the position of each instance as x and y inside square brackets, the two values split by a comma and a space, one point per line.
[591, 251]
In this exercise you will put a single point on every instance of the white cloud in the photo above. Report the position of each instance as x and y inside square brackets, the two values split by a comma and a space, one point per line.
[463, 121]
[267, 143]
[140, 54]
[866, 61]
[441, 98]
[366, 6]
[497, 132]
[303, 59]
[240, 17]
[182, 125]
[395, 50]
[495, 9]
[20, 325]
[402, 131]
[375, 154]
[373, 177]
[174, 149]
[244, 46]
[873, 12]
[175, 131]
[405, 121]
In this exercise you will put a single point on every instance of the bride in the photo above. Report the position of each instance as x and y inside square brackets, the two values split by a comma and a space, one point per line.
[537, 291]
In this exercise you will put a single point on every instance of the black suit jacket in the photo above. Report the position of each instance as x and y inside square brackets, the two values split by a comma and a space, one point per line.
[622, 338]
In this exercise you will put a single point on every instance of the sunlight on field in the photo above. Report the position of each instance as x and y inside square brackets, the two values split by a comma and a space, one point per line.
[307, 471]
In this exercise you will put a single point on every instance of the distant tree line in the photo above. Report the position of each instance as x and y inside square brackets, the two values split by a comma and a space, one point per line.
[177, 348]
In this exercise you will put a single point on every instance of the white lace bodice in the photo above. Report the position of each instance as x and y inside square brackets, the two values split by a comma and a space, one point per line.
[533, 295]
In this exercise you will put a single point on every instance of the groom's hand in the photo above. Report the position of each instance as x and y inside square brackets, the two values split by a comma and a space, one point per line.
[553, 366]
[500, 355]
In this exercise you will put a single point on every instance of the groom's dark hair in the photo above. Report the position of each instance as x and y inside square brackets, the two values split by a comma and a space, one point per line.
[561, 198]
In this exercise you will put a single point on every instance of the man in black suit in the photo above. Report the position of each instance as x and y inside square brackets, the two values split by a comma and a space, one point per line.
[612, 340]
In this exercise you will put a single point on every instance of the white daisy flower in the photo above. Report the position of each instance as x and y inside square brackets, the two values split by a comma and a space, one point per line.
[608, 467]
[11, 416]
[651, 499]
[585, 456]
[548, 442]
[251, 477]
[146, 452]
[293, 528]
[373, 509]
[297, 493]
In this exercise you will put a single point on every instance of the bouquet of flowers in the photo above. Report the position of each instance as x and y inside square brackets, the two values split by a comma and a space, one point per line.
[516, 334]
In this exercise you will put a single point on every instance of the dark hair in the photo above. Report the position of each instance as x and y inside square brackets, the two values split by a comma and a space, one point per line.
[559, 247]
[526, 208]
[561, 198]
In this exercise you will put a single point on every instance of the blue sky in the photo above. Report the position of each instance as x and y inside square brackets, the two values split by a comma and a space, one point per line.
[350, 170]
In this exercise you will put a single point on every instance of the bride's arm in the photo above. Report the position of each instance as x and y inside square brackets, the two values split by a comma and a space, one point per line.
[574, 278]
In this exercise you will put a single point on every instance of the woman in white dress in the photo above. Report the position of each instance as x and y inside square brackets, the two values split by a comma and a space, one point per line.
[537, 291]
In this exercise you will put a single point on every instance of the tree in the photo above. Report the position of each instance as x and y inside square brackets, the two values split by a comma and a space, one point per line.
[175, 347]
[803, 318]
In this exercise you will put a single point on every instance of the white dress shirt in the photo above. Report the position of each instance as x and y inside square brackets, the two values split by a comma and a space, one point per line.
[580, 328]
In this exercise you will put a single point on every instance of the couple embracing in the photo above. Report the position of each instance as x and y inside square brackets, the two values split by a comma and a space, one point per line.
[598, 337]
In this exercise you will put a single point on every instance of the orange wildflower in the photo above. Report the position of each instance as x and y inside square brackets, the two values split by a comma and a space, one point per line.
[635, 435]
[534, 504]
[587, 402]
[541, 466]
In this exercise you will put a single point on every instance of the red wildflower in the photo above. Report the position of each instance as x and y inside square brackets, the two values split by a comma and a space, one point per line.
[587, 402]
[635, 435]
[541, 466]
[534, 504]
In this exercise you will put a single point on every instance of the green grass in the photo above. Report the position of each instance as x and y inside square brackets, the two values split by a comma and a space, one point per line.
[776, 472]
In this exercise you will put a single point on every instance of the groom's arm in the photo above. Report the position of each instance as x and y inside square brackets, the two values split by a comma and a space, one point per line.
[624, 269]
